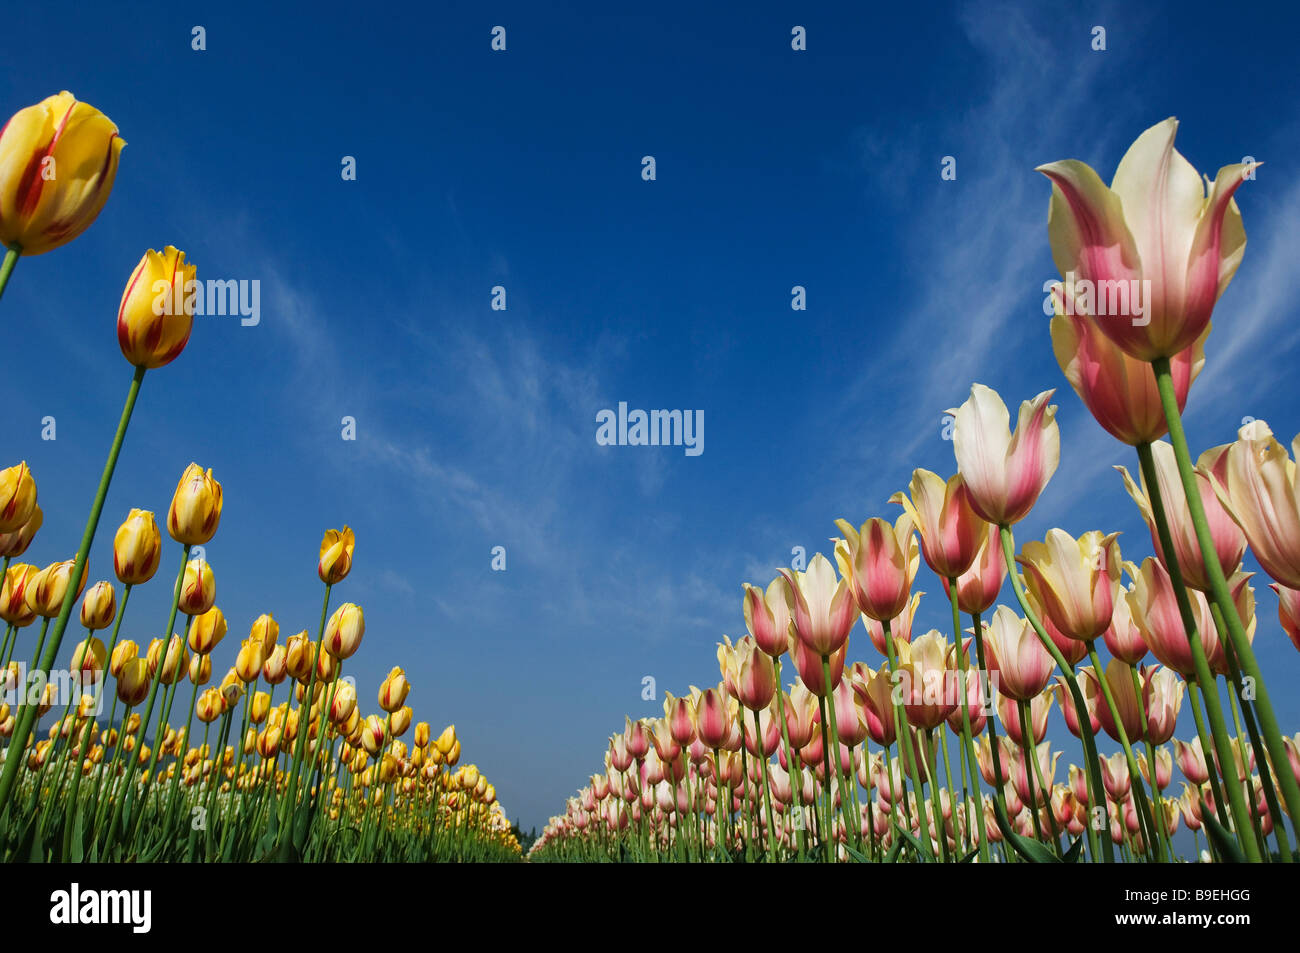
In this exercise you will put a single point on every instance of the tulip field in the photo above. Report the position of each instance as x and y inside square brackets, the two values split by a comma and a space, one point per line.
[833, 731]
[179, 771]
[931, 746]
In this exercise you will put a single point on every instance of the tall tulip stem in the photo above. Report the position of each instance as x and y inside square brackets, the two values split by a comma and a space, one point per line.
[27, 716]
[1153, 842]
[967, 739]
[907, 744]
[1067, 670]
[7, 266]
[1265, 776]
[1218, 588]
[796, 776]
[1217, 739]
[304, 726]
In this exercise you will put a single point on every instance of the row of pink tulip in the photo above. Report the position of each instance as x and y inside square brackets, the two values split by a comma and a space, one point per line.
[863, 765]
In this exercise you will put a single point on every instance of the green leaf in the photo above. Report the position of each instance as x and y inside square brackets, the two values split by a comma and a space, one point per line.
[1075, 853]
[857, 856]
[922, 854]
[1229, 850]
[1028, 848]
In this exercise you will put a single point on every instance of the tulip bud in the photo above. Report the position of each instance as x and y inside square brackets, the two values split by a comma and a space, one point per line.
[133, 682]
[393, 691]
[207, 630]
[196, 507]
[15, 543]
[350, 728]
[268, 742]
[298, 656]
[344, 630]
[79, 147]
[13, 595]
[373, 734]
[422, 734]
[17, 497]
[174, 665]
[265, 630]
[274, 669]
[200, 668]
[1005, 472]
[123, 652]
[260, 707]
[99, 608]
[198, 588]
[446, 740]
[248, 663]
[88, 660]
[400, 721]
[156, 315]
[137, 548]
[327, 668]
[210, 706]
[231, 688]
[335, 556]
[46, 591]
[344, 703]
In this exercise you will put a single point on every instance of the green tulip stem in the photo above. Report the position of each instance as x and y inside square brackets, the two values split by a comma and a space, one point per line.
[1218, 590]
[27, 716]
[12, 254]
[1067, 671]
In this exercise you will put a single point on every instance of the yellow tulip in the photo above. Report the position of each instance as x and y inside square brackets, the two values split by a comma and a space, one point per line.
[344, 631]
[99, 608]
[46, 590]
[137, 548]
[13, 594]
[207, 630]
[248, 663]
[393, 691]
[400, 721]
[200, 668]
[266, 630]
[298, 656]
[210, 706]
[133, 682]
[446, 740]
[17, 497]
[335, 556]
[231, 688]
[123, 652]
[343, 704]
[58, 160]
[15, 543]
[198, 588]
[196, 507]
[88, 659]
[170, 667]
[261, 705]
[156, 315]
[274, 669]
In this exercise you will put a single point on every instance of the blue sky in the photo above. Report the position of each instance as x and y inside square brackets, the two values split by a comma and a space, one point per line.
[476, 428]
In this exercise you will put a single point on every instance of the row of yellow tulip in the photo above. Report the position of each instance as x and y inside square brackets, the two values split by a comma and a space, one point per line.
[149, 791]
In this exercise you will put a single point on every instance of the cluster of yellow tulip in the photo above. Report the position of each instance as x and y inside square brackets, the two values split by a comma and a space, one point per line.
[273, 785]
[700, 782]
